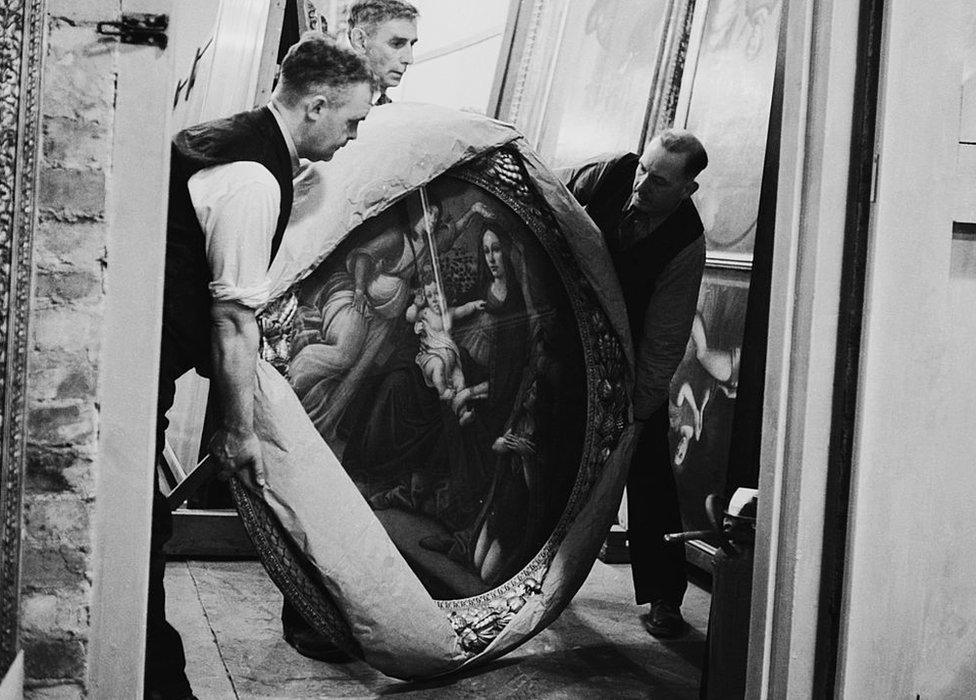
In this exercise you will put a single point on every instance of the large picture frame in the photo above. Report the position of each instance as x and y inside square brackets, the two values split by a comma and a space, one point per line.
[552, 84]
[719, 85]
[726, 86]
[21, 58]
[334, 509]
[703, 392]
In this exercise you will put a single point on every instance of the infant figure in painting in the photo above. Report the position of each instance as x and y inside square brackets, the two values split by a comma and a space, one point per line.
[439, 359]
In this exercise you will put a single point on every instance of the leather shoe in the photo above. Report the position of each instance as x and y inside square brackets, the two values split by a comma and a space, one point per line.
[664, 621]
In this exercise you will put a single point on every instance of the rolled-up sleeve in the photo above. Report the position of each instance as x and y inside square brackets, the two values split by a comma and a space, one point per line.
[237, 205]
[667, 327]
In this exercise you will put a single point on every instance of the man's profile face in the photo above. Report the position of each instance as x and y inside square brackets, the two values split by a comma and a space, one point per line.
[332, 127]
[388, 49]
[660, 182]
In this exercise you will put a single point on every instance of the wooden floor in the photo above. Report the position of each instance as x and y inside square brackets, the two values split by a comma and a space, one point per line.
[228, 614]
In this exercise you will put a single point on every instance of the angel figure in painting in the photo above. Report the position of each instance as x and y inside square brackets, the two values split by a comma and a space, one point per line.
[354, 314]
[439, 359]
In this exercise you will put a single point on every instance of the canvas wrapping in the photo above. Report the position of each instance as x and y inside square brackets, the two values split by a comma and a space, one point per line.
[402, 631]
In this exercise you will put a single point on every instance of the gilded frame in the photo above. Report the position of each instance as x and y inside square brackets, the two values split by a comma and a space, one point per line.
[670, 68]
[696, 35]
[20, 63]
[478, 620]
[526, 19]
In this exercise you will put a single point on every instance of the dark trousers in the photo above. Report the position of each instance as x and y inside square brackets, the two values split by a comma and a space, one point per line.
[165, 660]
[652, 511]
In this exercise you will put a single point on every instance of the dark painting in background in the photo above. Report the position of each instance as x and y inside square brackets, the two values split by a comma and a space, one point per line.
[725, 96]
[707, 65]
[703, 391]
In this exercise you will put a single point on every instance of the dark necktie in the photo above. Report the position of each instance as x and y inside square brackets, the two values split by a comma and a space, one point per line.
[630, 228]
[383, 99]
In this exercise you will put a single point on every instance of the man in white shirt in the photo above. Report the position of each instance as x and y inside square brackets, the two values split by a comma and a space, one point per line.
[230, 199]
[384, 32]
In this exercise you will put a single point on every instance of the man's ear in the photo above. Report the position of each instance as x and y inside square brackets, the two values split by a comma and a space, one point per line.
[357, 39]
[315, 107]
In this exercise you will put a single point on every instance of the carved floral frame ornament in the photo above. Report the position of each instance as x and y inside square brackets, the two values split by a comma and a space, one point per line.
[21, 52]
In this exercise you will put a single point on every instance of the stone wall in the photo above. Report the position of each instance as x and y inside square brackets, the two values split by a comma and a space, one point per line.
[78, 97]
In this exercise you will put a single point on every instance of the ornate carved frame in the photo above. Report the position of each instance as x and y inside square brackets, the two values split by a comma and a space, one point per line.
[671, 67]
[477, 621]
[21, 24]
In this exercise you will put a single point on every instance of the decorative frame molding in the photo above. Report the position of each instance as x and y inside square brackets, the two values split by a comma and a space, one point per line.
[671, 68]
[21, 55]
[479, 620]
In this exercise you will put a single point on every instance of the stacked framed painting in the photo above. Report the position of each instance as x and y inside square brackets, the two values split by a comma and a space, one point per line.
[603, 78]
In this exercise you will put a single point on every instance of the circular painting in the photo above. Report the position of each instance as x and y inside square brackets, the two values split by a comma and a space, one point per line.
[440, 360]
[453, 357]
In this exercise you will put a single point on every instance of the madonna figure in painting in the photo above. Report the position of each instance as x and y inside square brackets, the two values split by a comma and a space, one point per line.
[430, 370]
[426, 465]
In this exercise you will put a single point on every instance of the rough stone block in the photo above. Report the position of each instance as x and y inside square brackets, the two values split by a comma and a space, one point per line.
[54, 658]
[58, 471]
[77, 243]
[72, 193]
[69, 424]
[67, 285]
[66, 691]
[74, 143]
[56, 614]
[79, 73]
[61, 375]
[68, 328]
[57, 521]
[84, 10]
[53, 568]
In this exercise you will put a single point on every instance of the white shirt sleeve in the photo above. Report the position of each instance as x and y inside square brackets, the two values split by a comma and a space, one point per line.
[237, 206]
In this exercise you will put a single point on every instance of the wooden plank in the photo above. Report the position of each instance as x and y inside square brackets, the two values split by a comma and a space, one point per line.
[130, 336]
[701, 555]
[200, 475]
[204, 666]
[209, 533]
[267, 72]
[12, 685]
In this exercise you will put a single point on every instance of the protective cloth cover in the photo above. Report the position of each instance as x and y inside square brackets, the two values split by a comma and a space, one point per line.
[396, 623]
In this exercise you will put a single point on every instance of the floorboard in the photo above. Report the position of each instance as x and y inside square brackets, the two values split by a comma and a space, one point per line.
[228, 614]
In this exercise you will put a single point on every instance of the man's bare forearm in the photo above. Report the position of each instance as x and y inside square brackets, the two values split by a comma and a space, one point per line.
[234, 351]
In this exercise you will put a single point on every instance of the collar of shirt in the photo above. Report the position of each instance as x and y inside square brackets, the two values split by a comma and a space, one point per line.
[289, 141]
[635, 226]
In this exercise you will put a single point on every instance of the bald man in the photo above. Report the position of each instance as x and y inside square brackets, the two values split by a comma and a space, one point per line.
[642, 205]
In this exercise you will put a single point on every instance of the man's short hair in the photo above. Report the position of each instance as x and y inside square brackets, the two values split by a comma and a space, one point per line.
[682, 141]
[317, 62]
[368, 14]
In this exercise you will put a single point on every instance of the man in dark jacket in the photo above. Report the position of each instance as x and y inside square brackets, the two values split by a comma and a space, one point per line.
[230, 199]
[643, 207]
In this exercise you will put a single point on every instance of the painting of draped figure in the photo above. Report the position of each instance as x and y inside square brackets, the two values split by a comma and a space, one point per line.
[439, 358]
